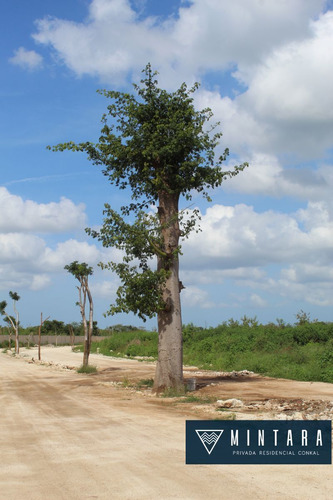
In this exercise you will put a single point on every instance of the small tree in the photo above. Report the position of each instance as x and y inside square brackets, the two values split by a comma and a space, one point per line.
[82, 272]
[162, 151]
[14, 321]
[10, 324]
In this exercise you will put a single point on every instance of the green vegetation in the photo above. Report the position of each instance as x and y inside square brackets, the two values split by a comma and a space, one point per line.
[131, 343]
[174, 392]
[56, 327]
[197, 399]
[303, 351]
[148, 382]
[87, 369]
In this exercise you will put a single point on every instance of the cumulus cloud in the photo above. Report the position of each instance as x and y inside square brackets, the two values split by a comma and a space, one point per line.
[278, 51]
[206, 34]
[215, 34]
[18, 215]
[266, 176]
[240, 245]
[109, 44]
[26, 59]
[234, 237]
[105, 289]
[68, 251]
[289, 94]
[194, 296]
[26, 259]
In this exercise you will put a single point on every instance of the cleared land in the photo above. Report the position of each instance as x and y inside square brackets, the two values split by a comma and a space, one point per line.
[70, 436]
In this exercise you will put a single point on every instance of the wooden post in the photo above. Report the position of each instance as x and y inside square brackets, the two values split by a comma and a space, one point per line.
[40, 332]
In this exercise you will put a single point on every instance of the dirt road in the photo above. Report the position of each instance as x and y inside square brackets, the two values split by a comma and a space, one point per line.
[70, 436]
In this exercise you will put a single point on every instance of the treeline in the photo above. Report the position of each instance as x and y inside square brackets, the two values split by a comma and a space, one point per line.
[56, 327]
[303, 351]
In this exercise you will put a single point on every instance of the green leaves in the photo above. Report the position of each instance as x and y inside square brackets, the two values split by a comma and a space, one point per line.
[159, 142]
[157, 145]
[79, 271]
[3, 306]
[14, 296]
[141, 291]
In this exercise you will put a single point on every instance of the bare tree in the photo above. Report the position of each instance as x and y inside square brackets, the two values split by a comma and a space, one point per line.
[82, 272]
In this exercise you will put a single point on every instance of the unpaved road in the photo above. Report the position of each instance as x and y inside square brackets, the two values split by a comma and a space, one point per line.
[70, 436]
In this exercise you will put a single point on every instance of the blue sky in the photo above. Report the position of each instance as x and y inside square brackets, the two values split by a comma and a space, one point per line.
[265, 70]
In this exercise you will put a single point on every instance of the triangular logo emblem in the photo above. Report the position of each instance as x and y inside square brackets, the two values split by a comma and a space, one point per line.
[209, 438]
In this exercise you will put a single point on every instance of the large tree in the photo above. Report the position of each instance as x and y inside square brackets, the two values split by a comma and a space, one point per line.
[81, 271]
[159, 147]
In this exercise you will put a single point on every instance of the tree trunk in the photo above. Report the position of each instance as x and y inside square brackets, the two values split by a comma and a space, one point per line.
[169, 369]
[39, 335]
[87, 328]
[86, 341]
[72, 336]
[91, 319]
[17, 344]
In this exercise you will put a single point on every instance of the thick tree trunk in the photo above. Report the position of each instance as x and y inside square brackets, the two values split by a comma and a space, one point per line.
[169, 369]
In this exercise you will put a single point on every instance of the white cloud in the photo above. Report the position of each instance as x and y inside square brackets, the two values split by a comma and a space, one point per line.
[20, 249]
[293, 84]
[193, 296]
[40, 281]
[257, 301]
[219, 276]
[109, 44]
[290, 93]
[27, 260]
[239, 237]
[67, 252]
[238, 247]
[12, 278]
[208, 34]
[17, 215]
[214, 34]
[278, 50]
[311, 283]
[267, 177]
[105, 289]
[26, 59]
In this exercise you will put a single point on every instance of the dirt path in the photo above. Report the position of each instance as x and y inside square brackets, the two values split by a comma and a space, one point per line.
[70, 436]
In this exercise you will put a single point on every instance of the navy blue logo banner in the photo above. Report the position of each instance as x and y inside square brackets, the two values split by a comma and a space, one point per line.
[259, 442]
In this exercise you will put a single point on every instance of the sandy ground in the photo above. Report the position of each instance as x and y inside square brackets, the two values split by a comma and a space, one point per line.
[70, 436]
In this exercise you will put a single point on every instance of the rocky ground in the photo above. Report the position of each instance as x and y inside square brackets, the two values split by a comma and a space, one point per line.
[251, 396]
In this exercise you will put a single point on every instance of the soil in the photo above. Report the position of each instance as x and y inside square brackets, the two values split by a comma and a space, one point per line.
[72, 436]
